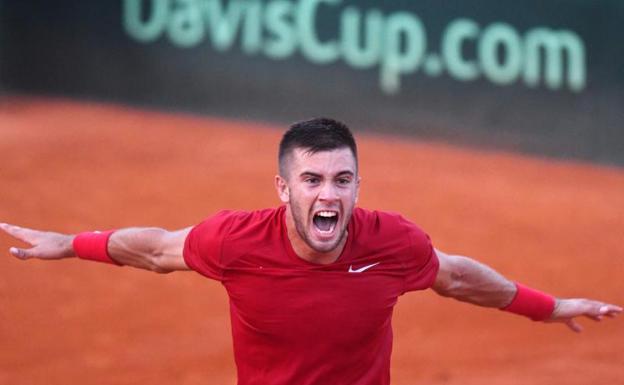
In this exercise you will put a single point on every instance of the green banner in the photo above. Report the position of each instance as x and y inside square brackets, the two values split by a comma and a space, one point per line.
[542, 77]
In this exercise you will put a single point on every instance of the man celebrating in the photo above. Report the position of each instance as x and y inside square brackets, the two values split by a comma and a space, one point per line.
[313, 283]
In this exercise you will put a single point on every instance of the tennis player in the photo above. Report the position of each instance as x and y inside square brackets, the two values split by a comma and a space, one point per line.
[312, 283]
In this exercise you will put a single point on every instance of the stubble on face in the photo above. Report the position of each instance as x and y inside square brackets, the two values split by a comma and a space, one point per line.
[301, 225]
[320, 184]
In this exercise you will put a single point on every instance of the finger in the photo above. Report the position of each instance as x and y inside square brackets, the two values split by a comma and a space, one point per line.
[605, 310]
[21, 253]
[612, 312]
[5, 227]
[610, 309]
[575, 326]
[20, 233]
[596, 318]
[597, 310]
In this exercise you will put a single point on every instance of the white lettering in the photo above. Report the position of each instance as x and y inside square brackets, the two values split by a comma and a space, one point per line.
[312, 48]
[223, 22]
[252, 28]
[150, 29]
[503, 36]
[282, 41]
[554, 44]
[186, 27]
[457, 33]
[395, 42]
[401, 27]
[360, 44]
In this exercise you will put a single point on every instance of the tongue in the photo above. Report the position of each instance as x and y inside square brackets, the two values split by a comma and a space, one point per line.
[324, 223]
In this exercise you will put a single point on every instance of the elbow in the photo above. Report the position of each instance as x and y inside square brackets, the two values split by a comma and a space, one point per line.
[453, 290]
[154, 258]
[154, 262]
[452, 281]
[158, 262]
[143, 248]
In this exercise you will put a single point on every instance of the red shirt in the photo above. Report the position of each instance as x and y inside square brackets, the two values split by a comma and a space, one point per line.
[299, 323]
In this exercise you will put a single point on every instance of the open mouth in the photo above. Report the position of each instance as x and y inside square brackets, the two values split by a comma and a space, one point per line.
[325, 221]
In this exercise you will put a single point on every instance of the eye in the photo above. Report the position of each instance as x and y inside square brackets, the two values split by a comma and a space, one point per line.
[343, 181]
[312, 180]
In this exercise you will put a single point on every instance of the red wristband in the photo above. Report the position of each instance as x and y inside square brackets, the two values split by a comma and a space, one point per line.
[531, 303]
[94, 246]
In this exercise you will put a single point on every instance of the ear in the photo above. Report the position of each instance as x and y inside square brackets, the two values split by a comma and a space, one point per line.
[282, 189]
[357, 189]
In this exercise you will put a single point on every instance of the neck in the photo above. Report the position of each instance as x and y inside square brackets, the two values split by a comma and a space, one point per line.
[304, 251]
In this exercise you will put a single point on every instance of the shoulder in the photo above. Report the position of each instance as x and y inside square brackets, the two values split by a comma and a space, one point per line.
[223, 237]
[382, 221]
[228, 223]
[385, 228]
[391, 235]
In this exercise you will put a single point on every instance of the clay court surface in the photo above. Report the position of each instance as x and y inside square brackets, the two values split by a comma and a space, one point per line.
[67, 166]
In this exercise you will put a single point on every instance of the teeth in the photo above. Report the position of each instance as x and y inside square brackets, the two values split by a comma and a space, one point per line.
[327, 214]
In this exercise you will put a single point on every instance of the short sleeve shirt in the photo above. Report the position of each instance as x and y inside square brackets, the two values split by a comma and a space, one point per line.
[295, 322]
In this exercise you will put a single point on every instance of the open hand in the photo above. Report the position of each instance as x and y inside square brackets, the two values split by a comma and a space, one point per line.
[44, 244]
[566, 310]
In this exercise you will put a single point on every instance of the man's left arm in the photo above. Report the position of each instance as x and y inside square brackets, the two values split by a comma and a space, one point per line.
[470, 281]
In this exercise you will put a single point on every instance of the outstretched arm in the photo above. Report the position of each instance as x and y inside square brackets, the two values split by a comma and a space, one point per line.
[467, 280]
[152, 249]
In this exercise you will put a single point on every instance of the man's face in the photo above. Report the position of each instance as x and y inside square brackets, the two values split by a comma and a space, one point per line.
[321, 190]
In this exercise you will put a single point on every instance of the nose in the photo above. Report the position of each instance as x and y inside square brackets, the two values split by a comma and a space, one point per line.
[328, 192]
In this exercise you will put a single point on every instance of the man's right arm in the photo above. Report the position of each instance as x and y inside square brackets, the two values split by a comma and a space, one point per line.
[151, 249]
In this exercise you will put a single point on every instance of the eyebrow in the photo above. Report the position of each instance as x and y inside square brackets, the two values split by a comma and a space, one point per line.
[341, 173]
[346, 173]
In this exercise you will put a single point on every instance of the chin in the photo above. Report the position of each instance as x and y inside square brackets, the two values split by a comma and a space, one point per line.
[326, 246]
[323, 248]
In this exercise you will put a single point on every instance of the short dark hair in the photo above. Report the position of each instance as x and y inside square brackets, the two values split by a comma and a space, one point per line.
[315, 135]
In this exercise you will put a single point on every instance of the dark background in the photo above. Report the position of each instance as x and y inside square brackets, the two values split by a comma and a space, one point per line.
[79, 49]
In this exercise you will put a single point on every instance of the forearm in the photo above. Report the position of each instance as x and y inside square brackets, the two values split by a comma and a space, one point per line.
[467, 280]
[470, 281]
[140, 247]
[145, 248]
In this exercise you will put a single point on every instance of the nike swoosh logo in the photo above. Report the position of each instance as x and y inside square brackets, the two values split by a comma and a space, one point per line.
[361, 269]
